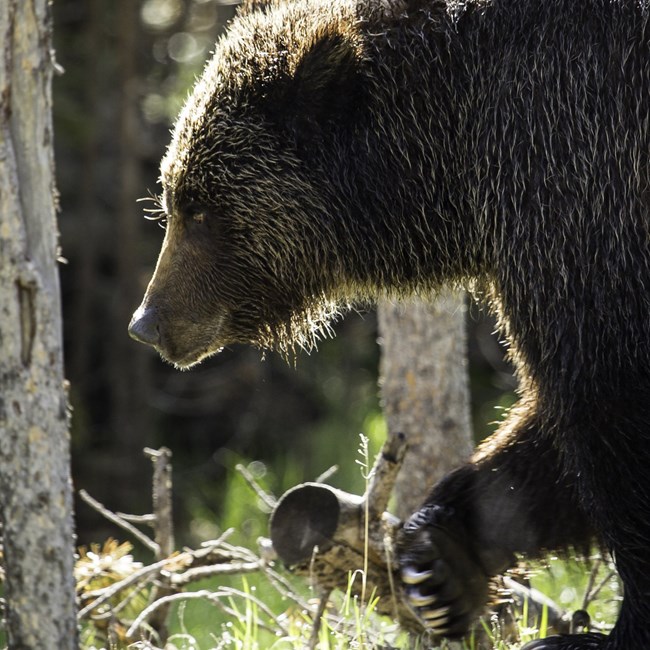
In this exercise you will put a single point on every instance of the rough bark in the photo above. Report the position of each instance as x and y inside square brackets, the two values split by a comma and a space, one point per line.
[35, 488]
[425, 390]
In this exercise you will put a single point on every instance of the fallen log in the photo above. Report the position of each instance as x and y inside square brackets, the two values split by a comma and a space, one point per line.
[327, 535]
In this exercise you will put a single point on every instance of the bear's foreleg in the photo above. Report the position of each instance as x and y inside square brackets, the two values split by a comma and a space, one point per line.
[514, 499]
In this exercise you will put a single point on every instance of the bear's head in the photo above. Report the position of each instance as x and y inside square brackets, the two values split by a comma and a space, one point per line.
[253, 249]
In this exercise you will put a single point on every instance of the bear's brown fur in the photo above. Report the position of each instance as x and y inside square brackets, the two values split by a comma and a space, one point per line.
[335, 151]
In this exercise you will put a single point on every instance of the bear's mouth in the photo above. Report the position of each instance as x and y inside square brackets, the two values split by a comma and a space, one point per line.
[181, 342]
[191, 343]
[187, 360]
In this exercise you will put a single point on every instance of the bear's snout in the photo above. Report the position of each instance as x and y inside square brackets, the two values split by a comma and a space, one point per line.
[144, 326]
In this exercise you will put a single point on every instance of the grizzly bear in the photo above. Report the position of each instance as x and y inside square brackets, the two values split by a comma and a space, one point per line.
[338, 150]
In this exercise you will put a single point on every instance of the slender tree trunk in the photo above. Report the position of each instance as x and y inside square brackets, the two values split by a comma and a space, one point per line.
[35, 488]
[425, 390]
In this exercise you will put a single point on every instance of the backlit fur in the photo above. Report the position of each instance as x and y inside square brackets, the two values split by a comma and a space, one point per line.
[336, 151]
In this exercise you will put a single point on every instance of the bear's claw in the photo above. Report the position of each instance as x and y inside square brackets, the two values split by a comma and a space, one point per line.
[412, 577]
[420, 600]
[443, 583]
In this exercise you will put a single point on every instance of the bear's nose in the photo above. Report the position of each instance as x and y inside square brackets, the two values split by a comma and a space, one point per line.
[144, 326]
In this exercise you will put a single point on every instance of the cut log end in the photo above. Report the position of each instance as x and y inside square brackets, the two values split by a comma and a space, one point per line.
[305, 517]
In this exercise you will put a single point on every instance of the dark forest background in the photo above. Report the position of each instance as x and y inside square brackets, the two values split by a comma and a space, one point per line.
[128, 66]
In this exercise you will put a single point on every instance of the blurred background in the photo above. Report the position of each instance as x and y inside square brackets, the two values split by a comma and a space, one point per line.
[128, 67]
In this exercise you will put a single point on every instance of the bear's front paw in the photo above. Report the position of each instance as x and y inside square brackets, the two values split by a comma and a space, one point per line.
[443, 581]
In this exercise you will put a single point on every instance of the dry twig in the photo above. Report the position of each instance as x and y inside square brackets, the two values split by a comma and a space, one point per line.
[119, 520]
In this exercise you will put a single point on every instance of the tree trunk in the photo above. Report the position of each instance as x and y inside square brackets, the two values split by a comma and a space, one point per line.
[425, 391]
[35, 488]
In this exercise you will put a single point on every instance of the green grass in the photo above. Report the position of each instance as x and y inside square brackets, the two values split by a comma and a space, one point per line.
[249, 613]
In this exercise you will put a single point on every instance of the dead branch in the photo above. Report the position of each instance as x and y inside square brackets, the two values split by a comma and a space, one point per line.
[384, 473]
[163, 526]
[268, 499]
[120, 521]
[181, 569]
[327, 474]
[592, 590]
[104, 595]
[318, 617]
[202, 572]
[212, 596]
[162, 519]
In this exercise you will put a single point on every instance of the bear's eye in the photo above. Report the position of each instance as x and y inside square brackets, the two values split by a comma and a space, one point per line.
[198, 217]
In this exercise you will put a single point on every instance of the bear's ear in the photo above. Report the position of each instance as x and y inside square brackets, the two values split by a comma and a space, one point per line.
[325, 86]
